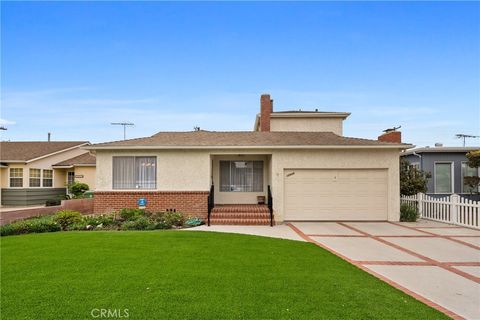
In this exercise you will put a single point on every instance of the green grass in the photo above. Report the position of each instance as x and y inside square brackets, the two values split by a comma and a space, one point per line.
[189, 275]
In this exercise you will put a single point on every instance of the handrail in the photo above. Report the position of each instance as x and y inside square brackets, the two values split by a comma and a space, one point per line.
[270, 204]
[211, 202]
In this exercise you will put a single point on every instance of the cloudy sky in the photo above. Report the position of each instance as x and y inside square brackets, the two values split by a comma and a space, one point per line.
[73, 68]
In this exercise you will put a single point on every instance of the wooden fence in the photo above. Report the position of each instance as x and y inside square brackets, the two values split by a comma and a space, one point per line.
[450, 209]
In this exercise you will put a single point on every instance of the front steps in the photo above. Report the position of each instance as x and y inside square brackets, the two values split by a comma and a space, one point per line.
[240, 214]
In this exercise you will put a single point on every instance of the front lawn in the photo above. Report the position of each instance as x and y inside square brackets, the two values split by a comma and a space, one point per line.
[188, 275]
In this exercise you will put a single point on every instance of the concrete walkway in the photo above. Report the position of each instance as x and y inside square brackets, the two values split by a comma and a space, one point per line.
[436, 263]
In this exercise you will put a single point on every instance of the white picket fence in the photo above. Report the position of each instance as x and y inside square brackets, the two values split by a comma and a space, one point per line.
[450, 209]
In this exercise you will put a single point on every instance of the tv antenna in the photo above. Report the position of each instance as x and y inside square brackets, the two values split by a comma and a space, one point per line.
[465, 136]
[124, 124]
[3, 128]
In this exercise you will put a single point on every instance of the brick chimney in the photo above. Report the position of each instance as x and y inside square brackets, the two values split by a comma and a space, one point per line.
[391, 136]
[266, 108]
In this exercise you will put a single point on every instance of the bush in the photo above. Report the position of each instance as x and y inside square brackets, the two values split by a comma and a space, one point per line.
[193, 222]
[142, 223]
[408, 213]
[105, 220]
[53, 202]
[131, 214]
[66, 218]
[174, 218]
[78, 188]
[34, 225]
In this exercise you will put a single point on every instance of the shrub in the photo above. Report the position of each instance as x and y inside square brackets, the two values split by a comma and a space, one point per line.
[174, 218]
[34, 225]
[142, 223]
[53, 202]
[67, 218]
[131, 214]
[105, 220]
[78, 188]
[193, 222]
[408, 213]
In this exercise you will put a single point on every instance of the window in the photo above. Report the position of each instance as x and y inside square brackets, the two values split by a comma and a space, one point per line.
[70, 178]
[468, 172]
[35, 177]
[415, 165]
[134, 173]
[16, 177]
[241, 176]
[443, 177]
[47, 178]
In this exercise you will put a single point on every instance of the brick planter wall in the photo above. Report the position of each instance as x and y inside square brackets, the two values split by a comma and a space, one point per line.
[193, 203]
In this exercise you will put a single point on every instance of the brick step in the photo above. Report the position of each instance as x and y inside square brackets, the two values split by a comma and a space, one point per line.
[240, 222]
[240, 215]
[240, 208]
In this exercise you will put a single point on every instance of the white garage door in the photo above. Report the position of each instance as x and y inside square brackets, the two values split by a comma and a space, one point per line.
[343, 194]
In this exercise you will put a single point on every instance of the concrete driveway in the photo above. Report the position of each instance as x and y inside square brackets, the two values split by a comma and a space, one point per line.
[437, 263]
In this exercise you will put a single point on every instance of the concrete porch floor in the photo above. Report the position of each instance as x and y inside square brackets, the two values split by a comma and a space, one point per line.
[436, 263]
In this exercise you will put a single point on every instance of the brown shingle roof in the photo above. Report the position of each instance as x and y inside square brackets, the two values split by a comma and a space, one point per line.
[83, 159]
[243, 139]
[27, 150]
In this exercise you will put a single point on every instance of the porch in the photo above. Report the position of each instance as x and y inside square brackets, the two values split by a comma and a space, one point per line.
[240, 192]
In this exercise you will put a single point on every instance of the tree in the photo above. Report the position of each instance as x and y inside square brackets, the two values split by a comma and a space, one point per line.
[473, 182]
[412, 180]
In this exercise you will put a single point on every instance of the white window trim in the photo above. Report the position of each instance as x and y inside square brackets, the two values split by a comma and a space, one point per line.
[23, 178]
[41, 180]
[461, 174]
[452, 182]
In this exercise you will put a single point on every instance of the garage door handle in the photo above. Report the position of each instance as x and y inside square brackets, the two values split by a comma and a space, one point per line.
[290, 174]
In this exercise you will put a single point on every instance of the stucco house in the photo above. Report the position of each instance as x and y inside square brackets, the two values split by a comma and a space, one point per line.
[298, 163]
[32, 172]
[447, 165]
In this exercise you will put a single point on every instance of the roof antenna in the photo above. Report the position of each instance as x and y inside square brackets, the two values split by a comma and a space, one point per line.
[464, 136]
[49, 135]
[196, 128]
[392, 129]
[124, 124]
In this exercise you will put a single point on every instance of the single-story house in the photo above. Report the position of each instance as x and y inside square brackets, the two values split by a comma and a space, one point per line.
[296, 162]
[32, 172]
[447, 165]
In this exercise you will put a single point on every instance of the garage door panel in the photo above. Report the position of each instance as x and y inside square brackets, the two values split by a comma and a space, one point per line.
[340, 194]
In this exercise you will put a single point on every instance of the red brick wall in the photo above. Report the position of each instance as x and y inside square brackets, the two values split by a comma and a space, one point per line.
[394, 136]
[193, 203]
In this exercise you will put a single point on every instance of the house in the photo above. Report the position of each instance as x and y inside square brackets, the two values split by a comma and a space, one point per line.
[296, 162]
[447, 165]
[35, 171]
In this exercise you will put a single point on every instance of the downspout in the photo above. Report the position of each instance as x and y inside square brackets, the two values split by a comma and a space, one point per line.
[421, 159]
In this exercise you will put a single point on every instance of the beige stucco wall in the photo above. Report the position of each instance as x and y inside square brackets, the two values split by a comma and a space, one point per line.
[337, 159]
[238, 197]
[334, 125]
[177, 170]
[180, 170]
[88, 174]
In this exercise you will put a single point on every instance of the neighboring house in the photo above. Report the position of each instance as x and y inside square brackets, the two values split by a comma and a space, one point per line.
[448, 166]
[35, 171]
[312, 171]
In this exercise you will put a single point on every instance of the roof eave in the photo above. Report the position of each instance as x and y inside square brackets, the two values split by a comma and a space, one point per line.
[342, 115]
[138, 147]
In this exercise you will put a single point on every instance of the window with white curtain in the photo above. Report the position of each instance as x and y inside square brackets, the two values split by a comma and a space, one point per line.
[443, 177]
[468, 172]
[241, 176]
[134, 173]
